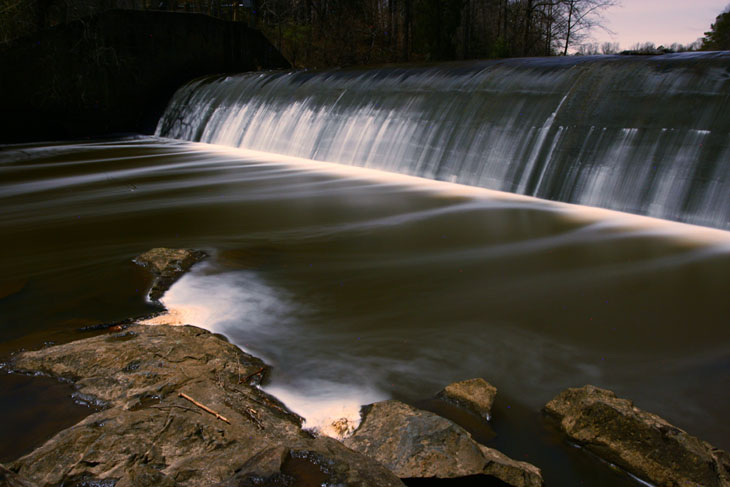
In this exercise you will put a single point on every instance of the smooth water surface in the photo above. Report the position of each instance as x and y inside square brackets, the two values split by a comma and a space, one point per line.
[358, 285]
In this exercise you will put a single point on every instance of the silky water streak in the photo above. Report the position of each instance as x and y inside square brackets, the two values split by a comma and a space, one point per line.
[646, 135]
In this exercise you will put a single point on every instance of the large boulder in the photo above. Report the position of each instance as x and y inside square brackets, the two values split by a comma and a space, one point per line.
[167, 266]
[418, 444]
[175, 406]
[475, 395]
[640, 442]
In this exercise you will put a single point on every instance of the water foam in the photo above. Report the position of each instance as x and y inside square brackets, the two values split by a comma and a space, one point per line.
[247, 310]
[335, 409]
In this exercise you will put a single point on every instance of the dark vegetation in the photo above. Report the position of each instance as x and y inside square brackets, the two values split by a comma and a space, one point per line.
[324, 33]
[115, 71]
[718, 37]
[88, 67]
[321, 33]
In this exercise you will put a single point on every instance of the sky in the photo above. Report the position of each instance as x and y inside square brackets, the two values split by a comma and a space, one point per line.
[659, 21]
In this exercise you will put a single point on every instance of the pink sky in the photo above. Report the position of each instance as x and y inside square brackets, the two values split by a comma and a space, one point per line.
[659, 21]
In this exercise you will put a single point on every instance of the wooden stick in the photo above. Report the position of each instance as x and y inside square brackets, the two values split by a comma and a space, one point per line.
[203, 407]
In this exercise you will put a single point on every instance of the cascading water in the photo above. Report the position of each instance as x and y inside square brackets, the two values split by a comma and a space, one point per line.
[642, 135]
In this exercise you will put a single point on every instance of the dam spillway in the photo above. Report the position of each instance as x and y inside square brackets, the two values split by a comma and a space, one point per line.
[645, 135]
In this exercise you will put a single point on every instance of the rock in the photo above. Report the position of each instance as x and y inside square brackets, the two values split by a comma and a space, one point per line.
[642, 443]
[418, 444]
[8, 478]
[167, 265]
[147, 435]
[322, 461]
[475, 395]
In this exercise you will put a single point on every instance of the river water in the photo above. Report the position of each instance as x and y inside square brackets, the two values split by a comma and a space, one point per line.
[359, 285]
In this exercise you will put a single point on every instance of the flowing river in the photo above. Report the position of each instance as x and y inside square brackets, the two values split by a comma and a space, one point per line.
[358, 284]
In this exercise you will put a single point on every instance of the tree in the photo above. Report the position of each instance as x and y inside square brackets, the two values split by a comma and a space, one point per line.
[644, 48]
[588, 49]
[610, 48]
[435, 25]
[718, 38]
[579, 16]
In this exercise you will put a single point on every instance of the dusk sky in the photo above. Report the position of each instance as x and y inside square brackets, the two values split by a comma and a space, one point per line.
[659, 21]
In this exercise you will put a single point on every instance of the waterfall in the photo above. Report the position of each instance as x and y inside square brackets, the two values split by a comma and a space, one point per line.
[647, 135]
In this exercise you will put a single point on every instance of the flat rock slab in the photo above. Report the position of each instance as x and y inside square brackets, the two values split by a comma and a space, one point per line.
[475, 395]
[418, 444]
[642, 443]
[167, 265]
[147, 434]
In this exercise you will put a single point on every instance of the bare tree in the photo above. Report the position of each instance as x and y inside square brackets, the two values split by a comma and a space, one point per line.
[579, 17]
[610, 48]
[644, 48]
[588, 49]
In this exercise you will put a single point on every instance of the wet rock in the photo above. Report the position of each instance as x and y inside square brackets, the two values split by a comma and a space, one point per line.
[475, 395]
[147, 434]
[167, 265]
[8, 478]
[321, 461]
[640, 442]
[419, 444]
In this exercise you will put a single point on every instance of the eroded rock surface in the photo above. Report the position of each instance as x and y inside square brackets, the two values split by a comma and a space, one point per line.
[642, 443]
[323, 461]
[419, 444]
[9, 478]
[148, 435]
[475, 395]
[167, 265]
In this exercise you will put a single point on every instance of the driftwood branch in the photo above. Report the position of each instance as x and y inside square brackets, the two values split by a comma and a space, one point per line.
[204, 407]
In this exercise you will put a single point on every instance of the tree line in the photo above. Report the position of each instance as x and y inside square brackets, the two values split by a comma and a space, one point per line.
[322, 33]
[340, 32]
[317, 33]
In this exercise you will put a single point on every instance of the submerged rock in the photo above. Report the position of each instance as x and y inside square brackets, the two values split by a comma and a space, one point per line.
[475, 395]
[147, 434]
[168, 265]
[418, 444]
[640, 442]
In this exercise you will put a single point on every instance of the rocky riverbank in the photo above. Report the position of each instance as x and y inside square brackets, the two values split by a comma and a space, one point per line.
[149, 433]
[178, 405]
